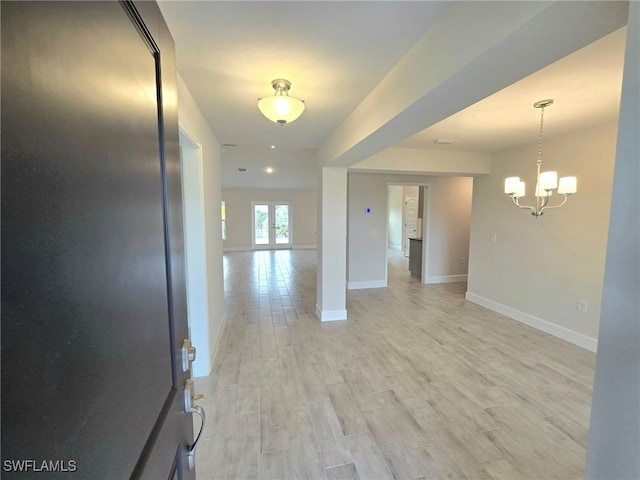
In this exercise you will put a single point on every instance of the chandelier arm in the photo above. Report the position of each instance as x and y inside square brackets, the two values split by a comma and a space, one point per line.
[566, 196]
[545, 200]
[516, 202]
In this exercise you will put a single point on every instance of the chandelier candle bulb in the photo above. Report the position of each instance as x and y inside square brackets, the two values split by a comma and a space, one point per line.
[542, 192]
[549, 180]
[568, 185]
[511, 184]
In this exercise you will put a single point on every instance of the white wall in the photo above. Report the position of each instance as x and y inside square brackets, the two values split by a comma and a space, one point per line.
[394, 227]
[614, 436]
[238, 215]
[448, 226]
[538, 269]
[193, 123]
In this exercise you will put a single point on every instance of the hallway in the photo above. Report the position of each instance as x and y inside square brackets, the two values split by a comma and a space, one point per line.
[417, 383]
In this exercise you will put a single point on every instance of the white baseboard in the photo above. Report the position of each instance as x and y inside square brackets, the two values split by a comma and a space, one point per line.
[305, 247]
[367, 284]
[563, 333]
[395, 247]
[447, 279]
[330, 315]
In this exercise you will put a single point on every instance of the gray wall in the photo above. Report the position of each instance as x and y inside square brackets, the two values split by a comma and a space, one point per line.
[536, 270]
[449, 222]
[614, 436]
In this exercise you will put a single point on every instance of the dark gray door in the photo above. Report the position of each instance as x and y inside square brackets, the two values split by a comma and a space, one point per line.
[93, 293]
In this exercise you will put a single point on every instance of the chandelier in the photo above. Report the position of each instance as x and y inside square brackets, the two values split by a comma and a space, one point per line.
[280, 107]
[546, 182]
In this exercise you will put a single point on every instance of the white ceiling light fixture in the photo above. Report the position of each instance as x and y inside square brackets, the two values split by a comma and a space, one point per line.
[546, 182]
[280, 107]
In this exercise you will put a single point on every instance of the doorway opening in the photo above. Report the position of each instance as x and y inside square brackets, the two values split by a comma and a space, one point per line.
[407, 229]
[191, 164]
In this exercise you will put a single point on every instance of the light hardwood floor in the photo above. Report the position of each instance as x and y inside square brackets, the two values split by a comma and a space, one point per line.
[417, 383]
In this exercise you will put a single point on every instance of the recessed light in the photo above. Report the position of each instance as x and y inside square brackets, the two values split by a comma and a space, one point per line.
[269, 170]
[273, 146]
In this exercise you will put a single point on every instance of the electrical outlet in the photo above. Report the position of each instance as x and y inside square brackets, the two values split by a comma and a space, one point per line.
[494, 238]
[582, 306]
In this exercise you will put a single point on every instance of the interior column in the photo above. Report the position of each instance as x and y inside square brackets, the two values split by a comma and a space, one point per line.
[332, 244]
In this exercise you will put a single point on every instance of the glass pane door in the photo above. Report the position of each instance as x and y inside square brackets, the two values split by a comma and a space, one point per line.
[271, 226]
[282, 223]
[261, 224]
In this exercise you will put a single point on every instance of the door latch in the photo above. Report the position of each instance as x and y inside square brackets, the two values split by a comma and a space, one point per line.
[188, 354]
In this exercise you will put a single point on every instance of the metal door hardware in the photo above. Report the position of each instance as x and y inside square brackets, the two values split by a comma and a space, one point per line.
[188, 354]
[189, 407]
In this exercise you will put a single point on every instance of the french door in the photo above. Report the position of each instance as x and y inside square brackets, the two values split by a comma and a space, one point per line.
[271, 225]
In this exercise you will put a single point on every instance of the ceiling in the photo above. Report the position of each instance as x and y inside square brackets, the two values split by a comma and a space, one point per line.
[334, 54]
[585, 87]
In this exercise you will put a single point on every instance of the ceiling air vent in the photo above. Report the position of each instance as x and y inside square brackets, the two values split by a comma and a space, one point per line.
[444, 141]
[242, 169]
[229, 145]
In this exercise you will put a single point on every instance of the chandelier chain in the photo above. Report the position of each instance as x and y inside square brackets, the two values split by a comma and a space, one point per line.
[540, 137]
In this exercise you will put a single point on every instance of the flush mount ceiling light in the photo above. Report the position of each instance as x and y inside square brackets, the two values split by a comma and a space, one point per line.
[280, 107]
[546, 182]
